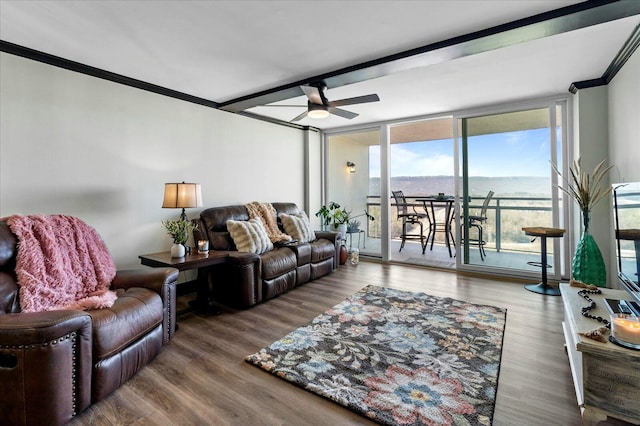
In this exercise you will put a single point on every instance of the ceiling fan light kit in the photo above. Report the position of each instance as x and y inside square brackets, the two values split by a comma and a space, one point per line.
[317, 111]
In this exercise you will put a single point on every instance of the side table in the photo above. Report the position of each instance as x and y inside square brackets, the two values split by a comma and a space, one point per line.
[359, 232]
[193, 260]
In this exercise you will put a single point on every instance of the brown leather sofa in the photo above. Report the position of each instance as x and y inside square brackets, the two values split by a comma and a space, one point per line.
[247, 279]
[55, 364]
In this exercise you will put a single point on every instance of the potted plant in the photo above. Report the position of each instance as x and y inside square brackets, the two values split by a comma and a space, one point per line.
[354, 225]
[588, 265]
[332, 214]
[179, 230]
[338, 217]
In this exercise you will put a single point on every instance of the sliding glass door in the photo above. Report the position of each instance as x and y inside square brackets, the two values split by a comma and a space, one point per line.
[421, 165]
[456, 162]
[507, 184]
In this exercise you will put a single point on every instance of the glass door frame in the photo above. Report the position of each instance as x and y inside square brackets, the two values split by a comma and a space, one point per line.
[560, 245]
[383, 132]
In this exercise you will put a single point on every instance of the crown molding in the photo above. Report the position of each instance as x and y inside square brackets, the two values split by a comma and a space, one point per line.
[625, 52]
[67, 64]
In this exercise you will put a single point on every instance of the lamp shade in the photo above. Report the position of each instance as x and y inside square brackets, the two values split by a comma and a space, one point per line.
[182, 195]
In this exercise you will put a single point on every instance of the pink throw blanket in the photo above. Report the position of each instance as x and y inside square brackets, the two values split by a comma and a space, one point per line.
[62, 263]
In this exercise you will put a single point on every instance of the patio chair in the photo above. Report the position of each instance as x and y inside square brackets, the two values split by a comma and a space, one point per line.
[476, 221]
[409, 216]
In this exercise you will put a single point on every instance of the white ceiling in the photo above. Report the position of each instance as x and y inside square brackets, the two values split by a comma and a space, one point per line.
[223, 50]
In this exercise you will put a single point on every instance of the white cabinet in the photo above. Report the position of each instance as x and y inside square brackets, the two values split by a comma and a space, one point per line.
[606, 376]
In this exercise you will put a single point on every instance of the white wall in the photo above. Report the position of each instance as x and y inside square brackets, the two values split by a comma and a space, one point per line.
[608, 127]
[314, 177]
[592, 145]
[78, 145]
[624, 132]
[624, 122]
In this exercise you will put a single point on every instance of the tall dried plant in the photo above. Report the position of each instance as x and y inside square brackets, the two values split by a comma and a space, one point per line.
[585, 188]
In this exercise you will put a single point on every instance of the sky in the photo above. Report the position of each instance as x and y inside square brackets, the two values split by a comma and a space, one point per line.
[521, 153]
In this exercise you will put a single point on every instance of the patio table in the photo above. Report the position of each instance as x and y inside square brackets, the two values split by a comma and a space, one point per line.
[446, 202]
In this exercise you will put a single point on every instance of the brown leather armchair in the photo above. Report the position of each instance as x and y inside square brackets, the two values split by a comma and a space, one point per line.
[55, 364]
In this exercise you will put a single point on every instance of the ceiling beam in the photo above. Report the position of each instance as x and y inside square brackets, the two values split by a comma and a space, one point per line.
[570, 18]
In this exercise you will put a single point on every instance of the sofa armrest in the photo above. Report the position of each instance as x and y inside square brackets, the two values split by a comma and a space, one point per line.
[332, 236]
[45, 366]
[336, 239]
[243, 286]
[162, 281]
[153, 278]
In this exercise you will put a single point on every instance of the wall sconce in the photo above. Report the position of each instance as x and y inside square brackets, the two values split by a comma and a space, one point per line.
[182, 195]
[351, 166]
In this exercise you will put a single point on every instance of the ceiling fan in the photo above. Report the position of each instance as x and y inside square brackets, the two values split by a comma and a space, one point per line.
[318, 106]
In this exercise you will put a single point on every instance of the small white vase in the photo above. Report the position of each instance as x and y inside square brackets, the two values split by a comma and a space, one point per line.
[177, 250]
[342, 229]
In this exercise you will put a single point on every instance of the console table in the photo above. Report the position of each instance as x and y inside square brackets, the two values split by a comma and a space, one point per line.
[606, 376]
[193, 260]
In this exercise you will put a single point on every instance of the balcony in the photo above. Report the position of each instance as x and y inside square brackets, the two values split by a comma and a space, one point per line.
[507, 246]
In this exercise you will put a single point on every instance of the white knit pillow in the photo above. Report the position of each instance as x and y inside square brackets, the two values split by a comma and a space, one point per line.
[298, 227]
[249, 236]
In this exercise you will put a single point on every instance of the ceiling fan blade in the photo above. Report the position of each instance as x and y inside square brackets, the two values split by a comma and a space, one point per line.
[297, 106]
[343, 113]
[300, 117]
[357, 100]
[313, 93]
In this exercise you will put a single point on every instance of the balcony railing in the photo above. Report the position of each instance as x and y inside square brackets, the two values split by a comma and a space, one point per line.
[499, 216]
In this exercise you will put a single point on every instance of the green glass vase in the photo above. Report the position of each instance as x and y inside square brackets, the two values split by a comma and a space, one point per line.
[588, 265]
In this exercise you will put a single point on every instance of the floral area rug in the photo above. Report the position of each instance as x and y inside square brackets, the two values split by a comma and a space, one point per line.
[397, 357]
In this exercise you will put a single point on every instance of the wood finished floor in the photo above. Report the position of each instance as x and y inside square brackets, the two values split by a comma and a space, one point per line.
[200, 378]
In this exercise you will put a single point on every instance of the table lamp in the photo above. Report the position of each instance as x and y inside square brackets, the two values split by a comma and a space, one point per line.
[182, 195]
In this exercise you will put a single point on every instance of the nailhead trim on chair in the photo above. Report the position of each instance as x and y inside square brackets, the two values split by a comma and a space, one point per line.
[167, 328]
[71, 336]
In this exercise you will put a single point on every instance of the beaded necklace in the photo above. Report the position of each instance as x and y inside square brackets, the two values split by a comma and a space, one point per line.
[585, 310]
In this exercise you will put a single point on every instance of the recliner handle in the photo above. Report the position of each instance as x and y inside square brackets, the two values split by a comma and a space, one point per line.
[8, 361]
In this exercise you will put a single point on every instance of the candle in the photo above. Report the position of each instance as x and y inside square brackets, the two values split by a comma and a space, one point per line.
[626, 328]
[203, 246]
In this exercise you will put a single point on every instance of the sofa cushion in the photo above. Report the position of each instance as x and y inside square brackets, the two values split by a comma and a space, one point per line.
[302, 251]
[249, 236]
[134, 314]
[277, 262]
[298, 226]
[321, 250]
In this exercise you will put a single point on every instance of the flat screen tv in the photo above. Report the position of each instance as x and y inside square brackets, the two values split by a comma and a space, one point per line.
[626, 210]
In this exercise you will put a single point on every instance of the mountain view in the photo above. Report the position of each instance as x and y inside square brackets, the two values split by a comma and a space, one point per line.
[521, 186]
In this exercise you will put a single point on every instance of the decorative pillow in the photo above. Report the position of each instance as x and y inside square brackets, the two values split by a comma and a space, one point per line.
[249, 236]
[298, 226]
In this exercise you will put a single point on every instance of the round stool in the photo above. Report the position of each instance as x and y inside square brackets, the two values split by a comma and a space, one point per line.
[543, 233]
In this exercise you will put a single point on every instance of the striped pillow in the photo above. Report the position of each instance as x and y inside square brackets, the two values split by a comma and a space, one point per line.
[298, 226]
[249, 236]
